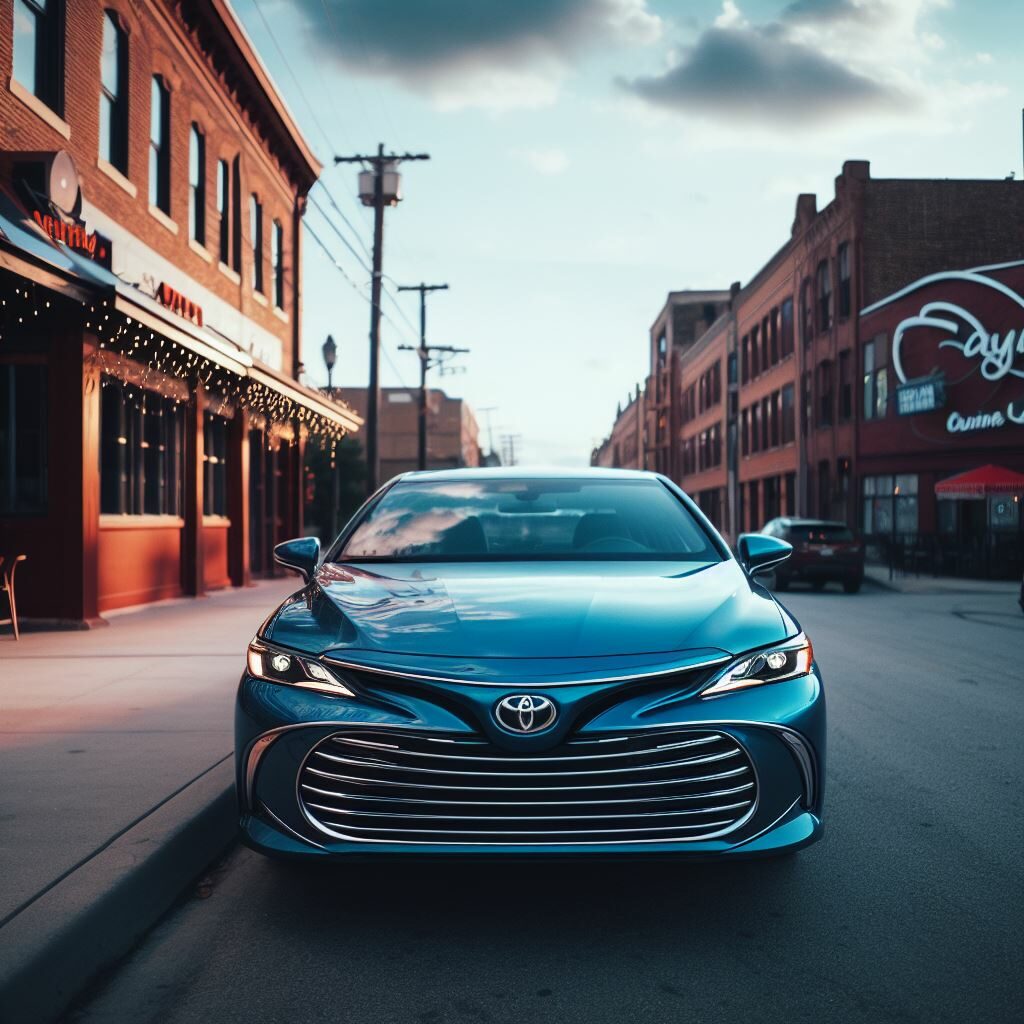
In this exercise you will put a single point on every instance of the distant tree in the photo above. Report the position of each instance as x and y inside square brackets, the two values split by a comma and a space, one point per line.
[350, 469]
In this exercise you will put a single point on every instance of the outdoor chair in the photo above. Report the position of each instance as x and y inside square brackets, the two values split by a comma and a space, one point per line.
[8, 564]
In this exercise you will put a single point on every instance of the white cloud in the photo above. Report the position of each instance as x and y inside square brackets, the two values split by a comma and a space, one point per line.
[545, 161]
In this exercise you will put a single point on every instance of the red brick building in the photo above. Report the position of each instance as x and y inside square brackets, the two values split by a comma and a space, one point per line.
[808, 411]
[152, 185]
[623, 448]
[453, 436]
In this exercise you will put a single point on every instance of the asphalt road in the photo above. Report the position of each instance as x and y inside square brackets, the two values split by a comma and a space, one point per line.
[910, 909]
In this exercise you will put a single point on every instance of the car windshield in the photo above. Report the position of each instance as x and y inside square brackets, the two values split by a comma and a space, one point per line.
[540, 519]
[820, 533]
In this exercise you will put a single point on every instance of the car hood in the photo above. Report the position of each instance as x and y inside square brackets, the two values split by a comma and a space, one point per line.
[524, 610]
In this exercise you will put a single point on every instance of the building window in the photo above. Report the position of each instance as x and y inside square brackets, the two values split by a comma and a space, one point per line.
[889, 505]
[745, 359]
[776, 417]
[786, 328]
[256, 235]
[845, 385]
[826, 398]
[23, 439]
[39, 50]
[277, 262]
[824, 296]
[159, 145]
[824, 490]
[845, 294]
[805, 399]
[141, 465]
[806, 313]
[790, 494]
[875, 379]
[224, 211]
[114, 94]
[765, 423]
[755, 353]
[197, 185]
[215, 466]
[774, 332]
[788, 414]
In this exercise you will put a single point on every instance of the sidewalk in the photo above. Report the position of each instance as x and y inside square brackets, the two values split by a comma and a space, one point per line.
[878, 575]
[110, 739]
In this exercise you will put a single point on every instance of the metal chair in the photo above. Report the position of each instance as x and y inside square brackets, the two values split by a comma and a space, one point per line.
[7, 568]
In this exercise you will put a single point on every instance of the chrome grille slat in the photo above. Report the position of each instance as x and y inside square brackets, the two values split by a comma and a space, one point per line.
[527, 803]
[531, 758]
[532, 817]
[457, 771]
[533, 789]
[394, 785]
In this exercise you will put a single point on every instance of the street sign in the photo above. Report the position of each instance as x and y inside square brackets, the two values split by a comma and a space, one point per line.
[925, 394]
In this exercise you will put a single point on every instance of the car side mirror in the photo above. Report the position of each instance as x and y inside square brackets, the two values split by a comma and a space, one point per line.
[301, 555]
[759, 553]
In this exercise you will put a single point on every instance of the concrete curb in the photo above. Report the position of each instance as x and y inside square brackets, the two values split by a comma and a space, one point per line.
[94, 916]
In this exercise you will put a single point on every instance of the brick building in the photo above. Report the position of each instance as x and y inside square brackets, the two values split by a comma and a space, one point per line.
[453, 436]
[623, 448]
[805, 350]
[152, 184]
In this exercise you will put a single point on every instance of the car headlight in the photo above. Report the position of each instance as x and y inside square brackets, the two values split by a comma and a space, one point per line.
[772, 665]
[277, 665]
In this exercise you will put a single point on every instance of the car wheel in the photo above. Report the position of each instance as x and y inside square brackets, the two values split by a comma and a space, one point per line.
[851, 586]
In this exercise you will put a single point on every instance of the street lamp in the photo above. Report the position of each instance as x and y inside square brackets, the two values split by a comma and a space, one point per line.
[330, 351]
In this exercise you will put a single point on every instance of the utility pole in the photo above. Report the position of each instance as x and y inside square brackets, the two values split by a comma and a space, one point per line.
[424, 354]
[486, 411]
[508, 445]
[379, 186]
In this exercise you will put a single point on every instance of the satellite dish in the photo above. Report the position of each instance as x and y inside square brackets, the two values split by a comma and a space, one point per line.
[62, 185]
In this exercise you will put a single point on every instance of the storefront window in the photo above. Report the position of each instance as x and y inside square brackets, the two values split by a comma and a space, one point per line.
[215, 466]
[889, 499]
[141, 465]
[23, 442]
[1004, 513]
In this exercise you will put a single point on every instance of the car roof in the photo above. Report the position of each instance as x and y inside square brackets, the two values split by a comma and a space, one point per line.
[530, 473]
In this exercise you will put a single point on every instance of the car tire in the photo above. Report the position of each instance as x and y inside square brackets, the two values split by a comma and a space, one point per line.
[851, 586]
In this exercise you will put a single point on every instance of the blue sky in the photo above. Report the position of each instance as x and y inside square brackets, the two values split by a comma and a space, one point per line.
[589, 156]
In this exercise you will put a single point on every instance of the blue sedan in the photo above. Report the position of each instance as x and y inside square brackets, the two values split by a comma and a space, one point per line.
[501, 662]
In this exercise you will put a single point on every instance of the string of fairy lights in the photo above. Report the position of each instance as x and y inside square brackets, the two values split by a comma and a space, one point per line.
[143, 361]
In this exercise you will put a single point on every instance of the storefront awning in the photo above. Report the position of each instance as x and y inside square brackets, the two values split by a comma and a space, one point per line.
[26, 251]
[983, 482]
[333, 412]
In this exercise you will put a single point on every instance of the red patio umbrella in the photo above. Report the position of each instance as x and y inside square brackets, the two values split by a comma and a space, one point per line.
[982, 482]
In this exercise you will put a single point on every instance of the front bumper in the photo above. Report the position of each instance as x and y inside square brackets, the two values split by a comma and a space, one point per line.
[781, 726]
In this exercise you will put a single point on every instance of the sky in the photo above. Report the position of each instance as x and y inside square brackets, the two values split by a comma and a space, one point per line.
[589, 156]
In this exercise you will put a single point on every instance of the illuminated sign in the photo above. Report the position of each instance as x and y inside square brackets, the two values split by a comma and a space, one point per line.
[178, 303]
[74, 236]
[998, 355]
[926, 394]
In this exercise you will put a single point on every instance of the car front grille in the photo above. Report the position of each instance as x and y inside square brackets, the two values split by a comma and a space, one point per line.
[377, 785]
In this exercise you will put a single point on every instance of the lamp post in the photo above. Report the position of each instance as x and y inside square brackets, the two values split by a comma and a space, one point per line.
[330, 351]
[379, 187]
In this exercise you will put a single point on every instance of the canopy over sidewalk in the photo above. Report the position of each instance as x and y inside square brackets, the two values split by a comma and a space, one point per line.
[983, 482]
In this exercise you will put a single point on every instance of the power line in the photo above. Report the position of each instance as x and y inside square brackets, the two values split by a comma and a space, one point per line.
[355, 287]
[344, 241]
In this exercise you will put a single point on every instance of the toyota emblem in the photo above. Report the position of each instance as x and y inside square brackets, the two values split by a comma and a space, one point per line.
[525, 713]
